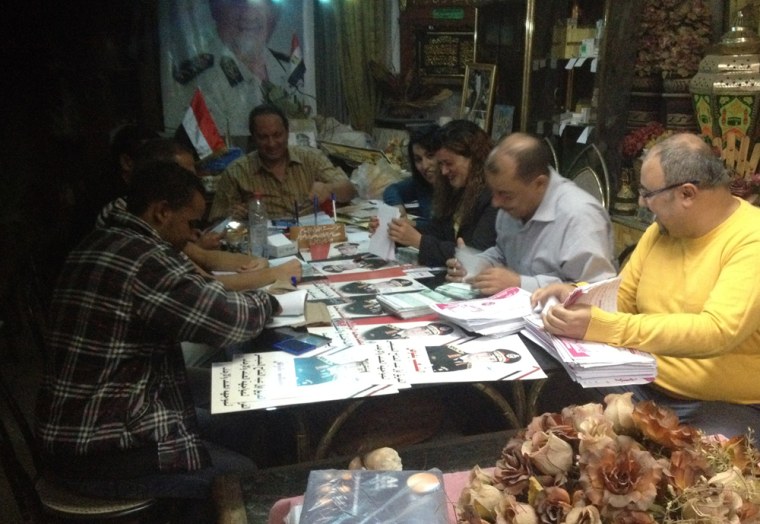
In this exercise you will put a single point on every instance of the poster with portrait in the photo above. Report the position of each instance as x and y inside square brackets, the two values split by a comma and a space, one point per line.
[482, 359]
[478, 93]
[240, 53]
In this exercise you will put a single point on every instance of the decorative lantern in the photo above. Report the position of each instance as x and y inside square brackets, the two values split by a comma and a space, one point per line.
[726, 90]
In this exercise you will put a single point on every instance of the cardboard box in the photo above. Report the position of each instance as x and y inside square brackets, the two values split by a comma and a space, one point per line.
[566, 41]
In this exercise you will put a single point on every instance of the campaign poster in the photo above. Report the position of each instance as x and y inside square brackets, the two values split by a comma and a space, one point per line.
[240, 53]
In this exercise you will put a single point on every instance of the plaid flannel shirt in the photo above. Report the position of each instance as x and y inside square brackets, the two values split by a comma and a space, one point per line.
[116, 378]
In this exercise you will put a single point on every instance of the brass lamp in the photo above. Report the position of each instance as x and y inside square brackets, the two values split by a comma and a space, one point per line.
[726, 89]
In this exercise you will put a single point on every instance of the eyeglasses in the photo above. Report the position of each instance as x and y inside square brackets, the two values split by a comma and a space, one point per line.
[646, 195]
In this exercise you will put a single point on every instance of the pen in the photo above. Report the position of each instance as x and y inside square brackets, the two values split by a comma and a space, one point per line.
[316, 207]
[295, 208]
[294, 281]
[335, 215]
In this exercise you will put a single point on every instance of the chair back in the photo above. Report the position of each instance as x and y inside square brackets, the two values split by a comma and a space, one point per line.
[552, 151]
[589, 171]
[37, 496]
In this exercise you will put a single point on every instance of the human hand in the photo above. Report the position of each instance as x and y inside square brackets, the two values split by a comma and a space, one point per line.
[569, 321]
[401, 231]
[254, 264]
[559, 291]
[493, 279]
[374, 223]
[454, 271]
[291, 268]
[210, 239]
[239, 211]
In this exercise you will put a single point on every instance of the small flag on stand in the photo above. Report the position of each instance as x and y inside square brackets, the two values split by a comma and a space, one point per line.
[200, 128]
[297, 66]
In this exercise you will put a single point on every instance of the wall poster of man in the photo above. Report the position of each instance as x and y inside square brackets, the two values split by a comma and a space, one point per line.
[240, 53]
[478, 93]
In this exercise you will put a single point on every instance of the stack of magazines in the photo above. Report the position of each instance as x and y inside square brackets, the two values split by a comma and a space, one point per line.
[410, 305]
[502, 313]
[593, 364]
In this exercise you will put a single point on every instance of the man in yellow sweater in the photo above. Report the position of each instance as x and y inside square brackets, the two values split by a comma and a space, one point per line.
[690, 293]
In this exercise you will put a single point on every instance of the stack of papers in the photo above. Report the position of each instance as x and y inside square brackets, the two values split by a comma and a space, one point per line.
[458, 290]
[338, 371]
[410, 305]
[593, 364]
[501, 313]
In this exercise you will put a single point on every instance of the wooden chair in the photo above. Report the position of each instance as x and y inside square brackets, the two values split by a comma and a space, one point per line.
[40, 499]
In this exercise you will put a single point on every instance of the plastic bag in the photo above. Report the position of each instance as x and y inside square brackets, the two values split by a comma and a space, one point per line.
[371, 180]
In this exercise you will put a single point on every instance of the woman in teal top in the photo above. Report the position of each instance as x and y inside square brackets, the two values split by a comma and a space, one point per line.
[419, 186]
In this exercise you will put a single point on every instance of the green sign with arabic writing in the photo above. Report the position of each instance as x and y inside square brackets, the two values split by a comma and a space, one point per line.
[448, 13]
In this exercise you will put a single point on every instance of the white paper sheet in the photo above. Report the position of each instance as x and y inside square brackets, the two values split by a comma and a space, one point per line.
[380, 243]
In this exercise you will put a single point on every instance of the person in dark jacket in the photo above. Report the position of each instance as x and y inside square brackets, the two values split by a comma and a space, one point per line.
[461, 200]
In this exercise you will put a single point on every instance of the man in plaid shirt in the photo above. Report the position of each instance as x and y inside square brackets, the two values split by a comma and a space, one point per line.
[115, 415]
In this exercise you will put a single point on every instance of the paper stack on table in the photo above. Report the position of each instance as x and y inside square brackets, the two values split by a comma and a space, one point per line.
[382, 367]
[410, 305]
[594, 364]
[501, 313]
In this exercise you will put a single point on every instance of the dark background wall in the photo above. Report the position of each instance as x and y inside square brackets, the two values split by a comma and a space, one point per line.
[71, 72]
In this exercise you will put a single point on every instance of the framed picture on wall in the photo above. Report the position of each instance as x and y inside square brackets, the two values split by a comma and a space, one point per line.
[503, 118]
[477, 94]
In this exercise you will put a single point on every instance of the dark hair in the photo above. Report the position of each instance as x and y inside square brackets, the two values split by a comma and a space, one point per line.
[266, 109]
[159, 150]
[364, 305]
[530, 154]
[384, 332]
[126, 141]
[358, 287]
[464, 138]
[159, 181]
[424, 136]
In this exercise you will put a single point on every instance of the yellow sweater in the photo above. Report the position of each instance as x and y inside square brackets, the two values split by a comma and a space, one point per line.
[695, 305]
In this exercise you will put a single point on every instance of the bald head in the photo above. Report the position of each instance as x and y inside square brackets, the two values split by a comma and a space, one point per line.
[686, 156]
[529, 155]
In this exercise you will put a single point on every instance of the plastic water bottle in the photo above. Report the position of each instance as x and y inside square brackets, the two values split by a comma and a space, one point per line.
[258, 227]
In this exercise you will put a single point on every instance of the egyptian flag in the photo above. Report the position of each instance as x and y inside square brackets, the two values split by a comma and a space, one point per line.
[200, 128]
[297, 67]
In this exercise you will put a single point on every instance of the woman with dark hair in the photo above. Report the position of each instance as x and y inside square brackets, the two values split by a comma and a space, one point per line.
[418, 187]
[461, 200]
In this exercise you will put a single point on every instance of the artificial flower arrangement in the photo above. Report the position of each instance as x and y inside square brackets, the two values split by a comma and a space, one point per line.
[673, 37]
[624, 463]
[642, 138]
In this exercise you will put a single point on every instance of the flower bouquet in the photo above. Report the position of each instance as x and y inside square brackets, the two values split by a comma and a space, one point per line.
[620, 464]
[642, 138]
